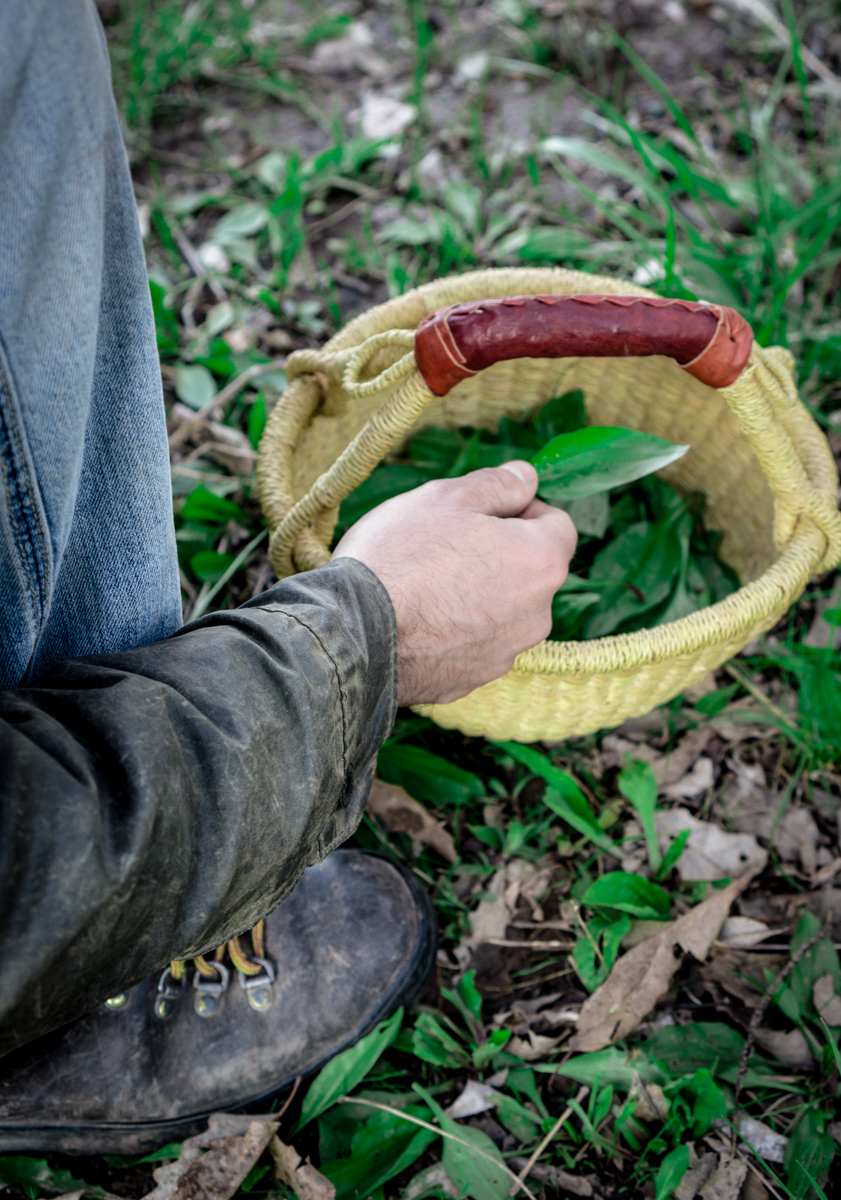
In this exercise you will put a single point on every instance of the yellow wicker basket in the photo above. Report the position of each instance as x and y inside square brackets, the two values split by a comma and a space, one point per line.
[761, 460]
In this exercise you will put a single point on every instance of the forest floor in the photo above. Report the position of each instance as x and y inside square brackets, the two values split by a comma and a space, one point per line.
[297, 164]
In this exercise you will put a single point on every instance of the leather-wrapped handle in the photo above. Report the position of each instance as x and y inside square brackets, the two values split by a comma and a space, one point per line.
[711, 342]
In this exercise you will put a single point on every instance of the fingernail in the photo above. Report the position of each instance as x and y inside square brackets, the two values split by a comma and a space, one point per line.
[524, 471]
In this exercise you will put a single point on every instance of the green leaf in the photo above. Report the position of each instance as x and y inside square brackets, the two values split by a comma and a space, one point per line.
[811, 1148]
[643, 562]
[672, 855]
[427, 776]
[241, 222]
[257, 420]
[670, 1172]
[487, 1052]
[638, 783]
[208, 565]
[35, 1176]
[347, 1069]
[561, 414]
[194, 385]
[611, 1065]
[254, 1176]
[598, 458]
[432, 1043]
[208, 509]
[546, 243]
[387, 481]
[519, 1120]
[630, 894]
[590, 515]
[480, 1176]
[607, 932]
[384, 1146]
[679, 1049]
[563, 796]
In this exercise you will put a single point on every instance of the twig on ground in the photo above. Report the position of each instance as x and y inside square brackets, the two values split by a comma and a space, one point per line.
[219, 401]
[759, 695]
[191, 258]
[508, 943]
[200, 606]
[759, 1013]
[583, 1092]
[290, 1097]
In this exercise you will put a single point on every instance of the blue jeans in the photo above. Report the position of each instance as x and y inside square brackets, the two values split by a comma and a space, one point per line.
[87, 545]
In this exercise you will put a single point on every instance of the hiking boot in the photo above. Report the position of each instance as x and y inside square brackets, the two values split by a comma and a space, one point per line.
[354, 940]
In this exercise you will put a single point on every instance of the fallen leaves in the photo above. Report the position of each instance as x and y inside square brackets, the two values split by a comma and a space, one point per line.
[644, 974]
[710, 853]
[401, 814]
[305, 1181]
[827, 1001]
[213, 1164]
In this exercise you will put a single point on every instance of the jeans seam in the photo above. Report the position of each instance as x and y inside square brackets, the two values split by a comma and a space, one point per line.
[21, 492]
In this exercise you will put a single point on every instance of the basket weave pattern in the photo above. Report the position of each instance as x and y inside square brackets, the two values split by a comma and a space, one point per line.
[761, 460]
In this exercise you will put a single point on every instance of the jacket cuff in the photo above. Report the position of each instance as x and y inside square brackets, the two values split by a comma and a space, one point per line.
[349, 612]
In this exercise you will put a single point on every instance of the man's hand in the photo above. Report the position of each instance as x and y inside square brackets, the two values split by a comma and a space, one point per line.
[471, 566]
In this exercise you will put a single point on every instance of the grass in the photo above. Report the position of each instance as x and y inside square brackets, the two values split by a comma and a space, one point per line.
[726, 187]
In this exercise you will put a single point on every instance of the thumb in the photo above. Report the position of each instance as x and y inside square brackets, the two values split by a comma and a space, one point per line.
[501, 491]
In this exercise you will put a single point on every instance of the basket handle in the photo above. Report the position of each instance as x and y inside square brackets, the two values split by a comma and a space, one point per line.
[709, 341]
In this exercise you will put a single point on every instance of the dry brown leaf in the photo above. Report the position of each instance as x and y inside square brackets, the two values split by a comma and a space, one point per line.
[401, 814]
[700, 1170]
[733, 970]
[710, 853]
[674, 766]
[532, 1046]
[764, 1140]
[790, 1048]
[753, 1188]
[827, 1001]
[232, 1144]
[742, 932]
[306, 1182]
[562, 1181]
[644, 974]
[427, 1182]
[474, 1098]
[490, 919]
[726, 1181]
[697, 781]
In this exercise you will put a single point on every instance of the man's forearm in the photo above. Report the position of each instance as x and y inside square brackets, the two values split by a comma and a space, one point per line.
[157, 802]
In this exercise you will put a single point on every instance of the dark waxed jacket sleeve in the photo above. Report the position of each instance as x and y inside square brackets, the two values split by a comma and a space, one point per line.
[157, 802]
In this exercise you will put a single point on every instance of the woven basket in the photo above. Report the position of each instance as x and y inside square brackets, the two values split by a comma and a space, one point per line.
[765, 467]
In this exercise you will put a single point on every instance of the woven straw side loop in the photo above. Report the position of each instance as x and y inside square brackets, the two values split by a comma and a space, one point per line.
[359, 359]
[381, 433]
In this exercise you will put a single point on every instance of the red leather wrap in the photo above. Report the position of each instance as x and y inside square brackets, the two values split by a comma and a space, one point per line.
[711, 342]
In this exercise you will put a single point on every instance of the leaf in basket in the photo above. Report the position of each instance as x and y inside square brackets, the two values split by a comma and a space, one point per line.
[561, 414]
[644, 562]
[387, 481]
[598, 458]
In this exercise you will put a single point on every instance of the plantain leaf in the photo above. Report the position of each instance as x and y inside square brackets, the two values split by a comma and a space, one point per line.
[630, 894]
[598, 458]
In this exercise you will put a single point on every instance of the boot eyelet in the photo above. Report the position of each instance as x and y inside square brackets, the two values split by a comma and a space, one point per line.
[258, 988]
[209, 992]
[170, 991]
